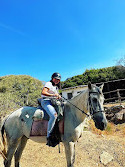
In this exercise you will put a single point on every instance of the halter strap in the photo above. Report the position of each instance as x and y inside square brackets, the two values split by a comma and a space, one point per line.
[90, 104]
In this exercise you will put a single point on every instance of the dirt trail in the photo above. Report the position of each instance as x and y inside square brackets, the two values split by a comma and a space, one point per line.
[88, 151]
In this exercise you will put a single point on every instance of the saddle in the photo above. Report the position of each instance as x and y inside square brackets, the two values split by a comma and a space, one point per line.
[40, 122]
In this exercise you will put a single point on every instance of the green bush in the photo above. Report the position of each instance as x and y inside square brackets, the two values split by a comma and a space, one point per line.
[17, 91]
[95, 76]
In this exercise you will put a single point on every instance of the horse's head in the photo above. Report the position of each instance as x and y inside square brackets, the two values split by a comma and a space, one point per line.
[96, 100]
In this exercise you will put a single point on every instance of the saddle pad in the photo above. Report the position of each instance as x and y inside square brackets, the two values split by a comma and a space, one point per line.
[39, 128]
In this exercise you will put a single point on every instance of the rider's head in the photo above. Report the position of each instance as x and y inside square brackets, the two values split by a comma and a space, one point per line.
[56, 77]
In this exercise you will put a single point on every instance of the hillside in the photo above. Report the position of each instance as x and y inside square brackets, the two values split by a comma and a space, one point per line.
[17, 91]
[96, 76]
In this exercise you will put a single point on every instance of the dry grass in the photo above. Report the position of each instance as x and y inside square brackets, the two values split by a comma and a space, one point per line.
[111, 129]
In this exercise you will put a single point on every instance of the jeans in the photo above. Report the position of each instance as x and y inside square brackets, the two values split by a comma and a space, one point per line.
[47, 106]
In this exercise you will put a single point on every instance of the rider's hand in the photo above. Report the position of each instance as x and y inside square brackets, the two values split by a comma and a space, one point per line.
[57, 96]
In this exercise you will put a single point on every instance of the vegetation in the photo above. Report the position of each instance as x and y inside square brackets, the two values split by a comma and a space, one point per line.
[96, 76]
[21, 90]
[17, 91]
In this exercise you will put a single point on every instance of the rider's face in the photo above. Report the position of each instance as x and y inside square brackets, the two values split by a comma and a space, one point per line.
[56, 81]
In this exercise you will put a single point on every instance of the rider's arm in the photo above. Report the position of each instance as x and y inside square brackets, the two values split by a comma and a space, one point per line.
[45, 92]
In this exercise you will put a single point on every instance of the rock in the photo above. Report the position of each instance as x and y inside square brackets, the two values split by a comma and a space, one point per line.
[116, 109]
[119, 116]
[116, 114]
[105, 158]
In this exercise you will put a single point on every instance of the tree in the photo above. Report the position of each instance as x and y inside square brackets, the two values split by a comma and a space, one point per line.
[121, 61]
[96, 76]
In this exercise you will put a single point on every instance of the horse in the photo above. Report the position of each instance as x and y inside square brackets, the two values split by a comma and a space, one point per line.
[15, 129]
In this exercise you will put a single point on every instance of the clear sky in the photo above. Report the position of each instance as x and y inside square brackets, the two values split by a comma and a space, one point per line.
[40, 37]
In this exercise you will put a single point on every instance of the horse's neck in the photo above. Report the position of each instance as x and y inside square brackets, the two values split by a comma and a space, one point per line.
[80, 101]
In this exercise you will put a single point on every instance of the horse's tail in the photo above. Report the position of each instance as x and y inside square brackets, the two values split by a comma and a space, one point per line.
[3, 141]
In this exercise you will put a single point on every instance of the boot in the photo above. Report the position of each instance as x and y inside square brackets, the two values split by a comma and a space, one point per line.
[51, 141]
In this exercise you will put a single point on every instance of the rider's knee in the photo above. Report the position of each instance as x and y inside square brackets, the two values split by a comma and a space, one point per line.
[55, 115]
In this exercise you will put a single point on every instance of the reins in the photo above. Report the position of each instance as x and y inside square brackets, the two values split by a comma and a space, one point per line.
[76, 106]
[90, 104]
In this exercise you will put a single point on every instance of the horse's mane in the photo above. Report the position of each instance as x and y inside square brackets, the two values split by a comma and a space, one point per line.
[81, 100]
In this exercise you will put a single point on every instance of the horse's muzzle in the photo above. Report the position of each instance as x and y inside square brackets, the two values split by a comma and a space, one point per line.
[100, 120]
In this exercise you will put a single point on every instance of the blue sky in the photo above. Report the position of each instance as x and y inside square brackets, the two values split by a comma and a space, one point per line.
[40, 37]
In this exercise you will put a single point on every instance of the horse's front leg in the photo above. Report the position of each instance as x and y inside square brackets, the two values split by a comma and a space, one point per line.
[70, 153]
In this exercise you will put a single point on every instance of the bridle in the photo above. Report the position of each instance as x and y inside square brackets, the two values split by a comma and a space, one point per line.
[91, 105]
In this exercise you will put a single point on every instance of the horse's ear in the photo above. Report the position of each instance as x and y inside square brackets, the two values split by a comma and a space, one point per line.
[89, 85]
[101, 87]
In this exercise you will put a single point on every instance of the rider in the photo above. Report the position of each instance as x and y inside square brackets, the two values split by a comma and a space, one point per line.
[50, 90]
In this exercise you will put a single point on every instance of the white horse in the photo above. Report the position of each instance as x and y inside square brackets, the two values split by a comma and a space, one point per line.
[17, 128]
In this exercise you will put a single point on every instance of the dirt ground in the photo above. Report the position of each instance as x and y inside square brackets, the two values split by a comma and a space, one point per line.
[88, 151]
